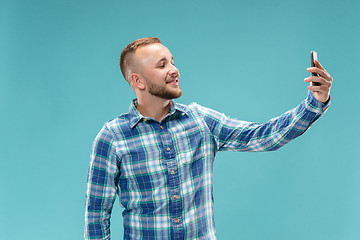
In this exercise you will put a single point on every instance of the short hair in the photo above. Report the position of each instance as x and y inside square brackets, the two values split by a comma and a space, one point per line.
[125, 57]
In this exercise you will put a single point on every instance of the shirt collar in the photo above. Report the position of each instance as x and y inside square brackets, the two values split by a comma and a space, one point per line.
[135, 116]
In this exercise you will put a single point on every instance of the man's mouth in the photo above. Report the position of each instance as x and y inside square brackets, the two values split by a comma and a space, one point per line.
[173, 81]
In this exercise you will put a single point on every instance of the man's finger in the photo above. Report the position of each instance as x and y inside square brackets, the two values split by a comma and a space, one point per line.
[320, 80]
[322, 72]
[327, 75]
[318, 89]
[317, 70]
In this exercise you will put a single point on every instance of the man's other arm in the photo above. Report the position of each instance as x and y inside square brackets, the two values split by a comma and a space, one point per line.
[101, 187]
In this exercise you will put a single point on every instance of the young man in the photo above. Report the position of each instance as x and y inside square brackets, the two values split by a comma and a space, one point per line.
[158, 157]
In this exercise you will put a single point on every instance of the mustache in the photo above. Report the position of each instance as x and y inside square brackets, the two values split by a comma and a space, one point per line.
[172, 76]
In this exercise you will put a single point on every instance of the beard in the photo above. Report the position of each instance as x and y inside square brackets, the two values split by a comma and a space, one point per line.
[163, 92]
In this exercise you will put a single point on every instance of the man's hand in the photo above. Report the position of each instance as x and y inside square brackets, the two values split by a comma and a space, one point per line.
[322, 92]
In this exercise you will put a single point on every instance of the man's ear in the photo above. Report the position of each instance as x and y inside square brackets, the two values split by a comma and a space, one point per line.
[137, 81]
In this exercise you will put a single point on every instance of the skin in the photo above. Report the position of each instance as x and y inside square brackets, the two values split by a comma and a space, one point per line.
[322, 92]
[155, 80]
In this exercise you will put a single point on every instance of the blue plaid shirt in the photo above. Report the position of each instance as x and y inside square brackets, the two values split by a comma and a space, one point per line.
[163, 172]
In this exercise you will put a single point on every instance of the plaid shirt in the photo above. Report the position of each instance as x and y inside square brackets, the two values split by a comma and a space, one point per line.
[163, 172]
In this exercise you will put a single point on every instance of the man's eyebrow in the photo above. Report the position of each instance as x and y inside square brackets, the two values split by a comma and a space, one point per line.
[164, 59]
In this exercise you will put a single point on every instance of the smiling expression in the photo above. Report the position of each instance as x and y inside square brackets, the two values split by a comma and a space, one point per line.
[158, 72]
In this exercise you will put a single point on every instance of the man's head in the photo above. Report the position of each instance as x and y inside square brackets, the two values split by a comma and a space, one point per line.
[148, 67]
[127, 61]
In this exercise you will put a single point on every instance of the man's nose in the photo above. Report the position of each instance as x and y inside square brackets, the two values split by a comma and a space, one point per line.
[173, 71]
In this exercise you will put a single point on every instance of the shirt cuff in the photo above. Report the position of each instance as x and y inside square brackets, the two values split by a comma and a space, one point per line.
[315, 105]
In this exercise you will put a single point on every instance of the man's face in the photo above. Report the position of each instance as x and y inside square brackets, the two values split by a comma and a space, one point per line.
[156, 66]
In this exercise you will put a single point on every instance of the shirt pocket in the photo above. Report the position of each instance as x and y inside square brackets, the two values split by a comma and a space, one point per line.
[189, 145]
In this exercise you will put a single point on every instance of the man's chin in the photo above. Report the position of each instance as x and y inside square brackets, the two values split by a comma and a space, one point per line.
[171, 96]
[168, 95]
[179, 93]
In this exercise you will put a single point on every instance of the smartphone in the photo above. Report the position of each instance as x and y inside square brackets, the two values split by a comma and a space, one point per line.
[313, 56]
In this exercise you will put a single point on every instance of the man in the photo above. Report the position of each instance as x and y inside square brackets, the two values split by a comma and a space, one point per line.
[158, 157]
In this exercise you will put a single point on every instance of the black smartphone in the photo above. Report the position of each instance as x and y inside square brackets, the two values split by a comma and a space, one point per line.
[313, 56]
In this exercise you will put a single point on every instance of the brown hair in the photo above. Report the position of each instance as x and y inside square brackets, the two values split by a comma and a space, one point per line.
[125, 59]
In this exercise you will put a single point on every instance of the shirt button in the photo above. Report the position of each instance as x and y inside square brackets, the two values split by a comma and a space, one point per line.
[176, 197]
[172, 172]
[161, 127]
[168, 149]
[177, 220]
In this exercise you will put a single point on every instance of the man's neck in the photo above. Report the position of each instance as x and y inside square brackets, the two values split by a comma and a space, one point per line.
[155, 108]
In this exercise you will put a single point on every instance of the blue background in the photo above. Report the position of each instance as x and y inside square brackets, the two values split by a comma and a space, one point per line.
[60, 81]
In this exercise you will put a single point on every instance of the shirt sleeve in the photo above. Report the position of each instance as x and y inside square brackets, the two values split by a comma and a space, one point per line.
[236, 135]
[102, 182]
